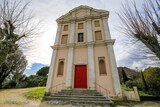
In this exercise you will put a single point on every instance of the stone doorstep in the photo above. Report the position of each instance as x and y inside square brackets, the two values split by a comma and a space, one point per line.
[79, 90]
[78, 93]
[98, 95]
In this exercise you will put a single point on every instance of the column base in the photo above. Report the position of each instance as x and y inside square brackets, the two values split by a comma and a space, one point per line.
[47, 93]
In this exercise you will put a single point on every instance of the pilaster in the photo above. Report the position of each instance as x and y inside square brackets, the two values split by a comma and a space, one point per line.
[90, 47]
[51, 72]
[106, 28]
[91, 66]
[70, 55]
[53, 59]
[89, 30]
[113, 66]
[58, 34]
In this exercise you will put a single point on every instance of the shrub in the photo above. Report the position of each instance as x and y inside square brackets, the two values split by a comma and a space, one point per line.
[131, 84]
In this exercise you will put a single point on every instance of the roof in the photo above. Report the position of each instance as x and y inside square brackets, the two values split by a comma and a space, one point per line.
[84, 7]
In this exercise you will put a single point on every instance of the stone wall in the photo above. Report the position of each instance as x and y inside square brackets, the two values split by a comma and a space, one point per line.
[131, 95]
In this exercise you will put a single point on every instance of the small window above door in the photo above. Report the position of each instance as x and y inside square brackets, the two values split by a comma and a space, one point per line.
[80, 25]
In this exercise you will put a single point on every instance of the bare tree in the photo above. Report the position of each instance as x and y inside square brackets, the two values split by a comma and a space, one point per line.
[17, 29]
[17, 26]
[142, 24]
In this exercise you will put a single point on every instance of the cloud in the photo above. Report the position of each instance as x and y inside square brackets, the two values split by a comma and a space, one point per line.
[33, 69]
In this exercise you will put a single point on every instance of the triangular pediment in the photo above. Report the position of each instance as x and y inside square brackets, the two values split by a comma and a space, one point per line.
[82, 11]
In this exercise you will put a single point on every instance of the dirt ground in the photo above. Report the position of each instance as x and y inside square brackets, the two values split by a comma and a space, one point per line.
[15, 98]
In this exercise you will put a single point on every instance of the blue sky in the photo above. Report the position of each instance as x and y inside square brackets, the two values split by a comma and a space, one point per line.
[47, 11]
[34, 68]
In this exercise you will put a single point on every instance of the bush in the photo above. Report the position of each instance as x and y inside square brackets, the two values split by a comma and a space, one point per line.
[22, 84]
[9, 84]
[131, 84]
[34, 81]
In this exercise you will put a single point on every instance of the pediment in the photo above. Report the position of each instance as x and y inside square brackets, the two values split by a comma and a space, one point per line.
[82, 11]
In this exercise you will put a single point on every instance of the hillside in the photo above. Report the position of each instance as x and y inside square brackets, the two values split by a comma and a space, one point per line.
[129, 72]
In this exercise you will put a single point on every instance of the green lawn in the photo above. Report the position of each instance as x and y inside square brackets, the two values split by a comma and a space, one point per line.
[36, 94]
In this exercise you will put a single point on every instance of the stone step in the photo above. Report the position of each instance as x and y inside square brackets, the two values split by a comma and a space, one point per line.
[91, 102]
[77, 90]
[75, 98]
[80, 96]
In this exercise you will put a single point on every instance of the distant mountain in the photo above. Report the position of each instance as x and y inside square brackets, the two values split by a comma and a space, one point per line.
[131, 73]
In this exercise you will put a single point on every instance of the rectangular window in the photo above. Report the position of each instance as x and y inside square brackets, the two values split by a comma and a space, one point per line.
[96, 23]
[65, 28]
[64, 39]
[98, 35]
[102, 66]
[80, 37]
[80, 25]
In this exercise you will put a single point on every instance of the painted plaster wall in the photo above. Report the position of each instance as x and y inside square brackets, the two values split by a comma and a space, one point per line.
[61, 54]
[103, 80]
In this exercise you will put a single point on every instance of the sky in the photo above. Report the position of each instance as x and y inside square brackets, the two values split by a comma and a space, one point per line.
[47, 11]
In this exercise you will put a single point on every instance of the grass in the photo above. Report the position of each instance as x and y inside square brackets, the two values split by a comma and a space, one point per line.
[36, 94]
[125, 103]
[142, 93]
[123, 87]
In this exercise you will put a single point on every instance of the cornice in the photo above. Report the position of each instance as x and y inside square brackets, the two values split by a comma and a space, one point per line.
[77, 19]
[85, 44]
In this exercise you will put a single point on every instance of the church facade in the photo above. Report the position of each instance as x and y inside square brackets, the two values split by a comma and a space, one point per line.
[83, 55]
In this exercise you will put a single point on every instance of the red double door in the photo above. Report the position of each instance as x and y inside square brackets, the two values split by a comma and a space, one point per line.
[80, 78]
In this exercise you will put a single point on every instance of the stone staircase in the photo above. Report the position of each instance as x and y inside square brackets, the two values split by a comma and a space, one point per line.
[79, 97]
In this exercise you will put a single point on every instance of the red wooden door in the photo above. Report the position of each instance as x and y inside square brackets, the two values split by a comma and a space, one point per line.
[80, 78]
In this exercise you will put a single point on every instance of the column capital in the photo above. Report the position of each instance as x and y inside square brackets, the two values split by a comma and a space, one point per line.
[71, 45]
[72, 20]
[90, 43]
[59, 24]
[105, 18]
[88, 19]
[55, 47]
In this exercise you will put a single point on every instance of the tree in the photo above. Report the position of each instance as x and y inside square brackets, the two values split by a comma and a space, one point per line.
[16, 26]
[152, 77]
[35, 80]
[143, 25]
[43, 71]
[125, 78]
[144, 82]
[16, 63]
